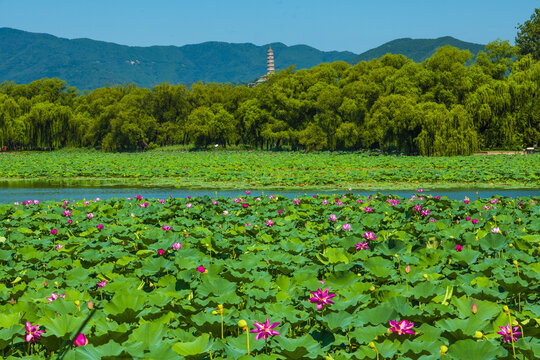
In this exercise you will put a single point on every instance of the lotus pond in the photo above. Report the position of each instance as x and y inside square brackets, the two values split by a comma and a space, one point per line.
[271, 170]
[353, 277]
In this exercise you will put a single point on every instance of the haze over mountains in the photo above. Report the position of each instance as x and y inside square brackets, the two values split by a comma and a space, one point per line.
[89, 64]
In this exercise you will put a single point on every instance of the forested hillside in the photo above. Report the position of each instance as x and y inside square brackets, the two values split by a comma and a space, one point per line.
[445, 105]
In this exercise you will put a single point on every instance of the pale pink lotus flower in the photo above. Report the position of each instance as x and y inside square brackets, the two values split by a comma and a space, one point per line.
[333, 217]
[176, 246]
[89, 215]
[346, 227]
[188, 205]
[54, 297]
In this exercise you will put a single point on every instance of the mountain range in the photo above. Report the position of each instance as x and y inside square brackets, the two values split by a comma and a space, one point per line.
[89, 64]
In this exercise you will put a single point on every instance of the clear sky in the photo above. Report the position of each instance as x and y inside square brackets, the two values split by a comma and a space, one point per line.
[354, 25]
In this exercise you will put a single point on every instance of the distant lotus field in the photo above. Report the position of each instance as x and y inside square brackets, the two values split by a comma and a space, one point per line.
[273, 170]
[322, 277]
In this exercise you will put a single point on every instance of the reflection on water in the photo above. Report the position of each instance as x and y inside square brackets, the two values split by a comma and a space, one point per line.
[44, 190]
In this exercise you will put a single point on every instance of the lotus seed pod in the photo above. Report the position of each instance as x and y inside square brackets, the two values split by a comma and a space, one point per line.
[242, 323]
[220, 306]
[214, 312]
[478, 335]
[506, 309]
[372, 345]
[515, 263]
[515, 323]
[444, 349]
[426, 277]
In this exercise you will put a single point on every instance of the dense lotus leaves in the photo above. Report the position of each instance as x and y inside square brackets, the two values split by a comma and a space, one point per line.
[161, 301]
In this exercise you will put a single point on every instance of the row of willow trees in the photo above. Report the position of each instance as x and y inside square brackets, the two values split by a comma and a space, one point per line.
[450, 104]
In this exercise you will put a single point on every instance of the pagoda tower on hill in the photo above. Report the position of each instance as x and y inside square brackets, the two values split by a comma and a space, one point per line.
[270, 61]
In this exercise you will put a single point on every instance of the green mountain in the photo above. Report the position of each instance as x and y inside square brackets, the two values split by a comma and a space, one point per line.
[416, 49]
[88, 64]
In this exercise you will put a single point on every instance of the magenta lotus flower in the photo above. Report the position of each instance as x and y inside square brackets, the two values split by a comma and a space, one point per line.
[402, 327]
[393, 202]
[367, 209]
[269, 223]
[245, 206]
[214, 202]
[333, 217]
[54, 297]
[176, 246]
[505, 331]
[280, 212]
[138, 197]
[143, 205]
[369, 236]
[346, 227]
[296, 201]
[417, 207]
[474, 221]
[468, 218]
[166, 227]
[70, 221]
[161, 252]
[201, 269]
[466, 200]
[101, 284]
[321, 298]
[265, 330]
[248, 192]
[67, 213]
[54, 231]
[89, 215]
[362, 246]
[32, 332]
[459, 248]
[80, 340]
[100, 227]
[425, 212]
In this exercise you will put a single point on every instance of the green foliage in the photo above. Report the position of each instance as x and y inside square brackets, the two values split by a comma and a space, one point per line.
[445, 106]
[528, 36]
[157, 305]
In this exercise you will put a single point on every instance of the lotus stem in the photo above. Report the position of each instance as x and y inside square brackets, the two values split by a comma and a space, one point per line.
[247, 335]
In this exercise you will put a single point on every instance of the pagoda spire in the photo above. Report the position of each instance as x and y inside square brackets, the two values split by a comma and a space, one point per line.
[270, 61]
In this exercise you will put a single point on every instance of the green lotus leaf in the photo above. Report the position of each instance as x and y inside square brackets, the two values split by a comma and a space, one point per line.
[471, 349]
[302, 347]
[200, 345]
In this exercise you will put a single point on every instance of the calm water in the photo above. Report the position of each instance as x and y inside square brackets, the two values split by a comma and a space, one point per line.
[11, 192]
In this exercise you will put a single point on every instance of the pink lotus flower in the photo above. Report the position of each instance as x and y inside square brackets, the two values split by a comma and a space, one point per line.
[362, 246]
[214, 202]
[296, 201]
[166, 227]
[236, 200]
[367, 209]
[402, 327]
[496, 230]
[188, 205]
[459, 248]
[102, 284]
[264, 330]
[67, 213]
[80, 340]
[433, 220]
[138, 197]
[176, 246]
[89, 215]
[417, 207]
[54, 231]
[325, 202]
[333, 217]
[346, 227]
[505, 331]
[144, 205]
[66, 202]
[161, 201]
[248, 192]
[321, 298]
[59, 246]
[369, 236]
[161, 252]
[201, 269]
[54, 297]
[32, 332]
[425, 212]
[70, 221]
[269, 223]
[100, 227]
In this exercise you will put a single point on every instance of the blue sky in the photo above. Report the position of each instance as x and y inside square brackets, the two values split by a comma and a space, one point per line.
[325, 24]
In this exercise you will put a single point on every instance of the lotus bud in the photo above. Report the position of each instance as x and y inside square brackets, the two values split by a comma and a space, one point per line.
[408, 269]
[444, 349]
[474, 308]
[242, 324]
[90, 305]
[12, 301]
[372, 288]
